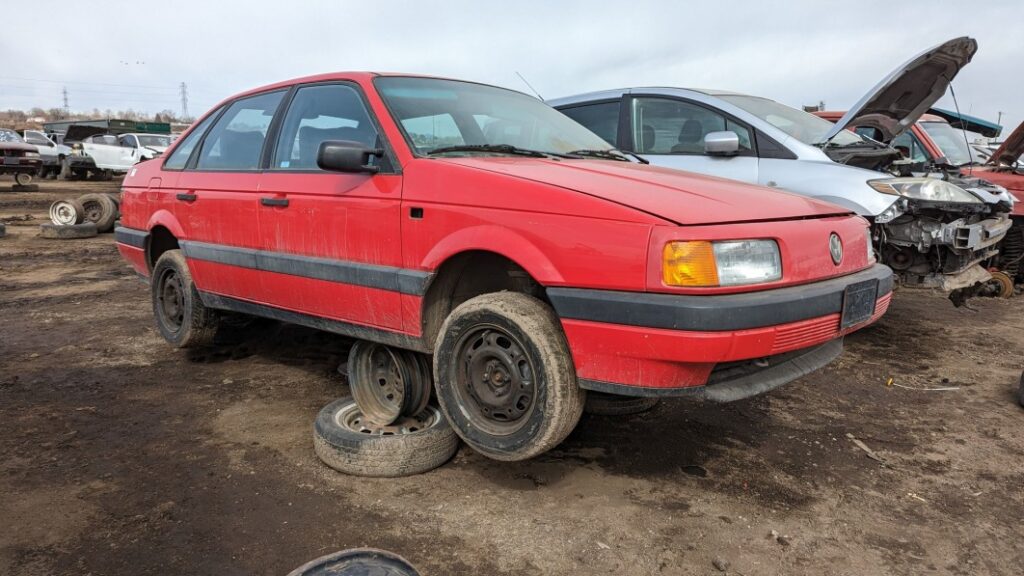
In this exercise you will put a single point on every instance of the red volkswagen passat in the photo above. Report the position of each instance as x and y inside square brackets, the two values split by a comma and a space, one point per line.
[516, 251]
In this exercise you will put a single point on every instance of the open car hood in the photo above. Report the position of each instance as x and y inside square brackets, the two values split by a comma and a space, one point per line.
[909, 91]
[1010, 150]
[77, 133]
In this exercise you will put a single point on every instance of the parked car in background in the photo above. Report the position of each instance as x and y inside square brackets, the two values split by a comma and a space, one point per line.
[480, 228]
[17, 158]
[51, 154]
[932, 146]
[100, 154]
[931, 232]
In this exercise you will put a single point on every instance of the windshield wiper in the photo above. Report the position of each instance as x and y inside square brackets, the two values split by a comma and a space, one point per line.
[608, 155]
[498, 148]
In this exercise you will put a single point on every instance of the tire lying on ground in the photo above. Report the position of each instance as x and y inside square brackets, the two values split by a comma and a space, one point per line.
[25, 188]
[69, 232]
[410, 445]
[3, 230]
[357, 562]
[100, 209]
[601, 404]
[1020, 391]
[66, 212]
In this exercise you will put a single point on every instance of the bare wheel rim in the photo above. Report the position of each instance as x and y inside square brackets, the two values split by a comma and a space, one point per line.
[495, 380]
[351, 418]
[171, 300]
[63, 213]
[382, 379]
[93, 211]
[23, 178]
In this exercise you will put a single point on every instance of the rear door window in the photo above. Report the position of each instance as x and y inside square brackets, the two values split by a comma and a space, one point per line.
[236, 141]
[178, 158]
[317, 114]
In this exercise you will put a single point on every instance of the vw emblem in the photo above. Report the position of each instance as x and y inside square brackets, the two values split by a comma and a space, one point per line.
[835, 247]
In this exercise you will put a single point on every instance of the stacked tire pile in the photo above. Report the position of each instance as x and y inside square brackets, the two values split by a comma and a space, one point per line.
[388, 427]
[83, 217]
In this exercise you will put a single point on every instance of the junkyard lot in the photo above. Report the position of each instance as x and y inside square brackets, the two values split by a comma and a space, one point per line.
[121, 455]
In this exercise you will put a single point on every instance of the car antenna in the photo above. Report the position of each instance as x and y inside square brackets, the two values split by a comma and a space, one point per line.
[530, 86]
[970, 155]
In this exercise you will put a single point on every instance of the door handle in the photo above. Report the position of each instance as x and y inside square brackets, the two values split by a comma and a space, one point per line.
[187, 197]
[282, 202]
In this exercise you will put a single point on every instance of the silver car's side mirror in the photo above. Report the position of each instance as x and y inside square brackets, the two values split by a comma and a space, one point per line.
[725, 143]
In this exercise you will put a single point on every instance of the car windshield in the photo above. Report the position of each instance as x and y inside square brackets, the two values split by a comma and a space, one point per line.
[9, 136]
[951, 142]
[148, 140]
[801, 125]
[436, 114]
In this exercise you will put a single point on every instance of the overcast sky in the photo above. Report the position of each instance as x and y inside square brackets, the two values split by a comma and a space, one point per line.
[134, 54]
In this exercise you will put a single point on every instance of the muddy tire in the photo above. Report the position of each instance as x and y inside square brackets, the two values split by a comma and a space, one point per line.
[100, 210]
[600, 404]
[181, 317]
[69, 232]
[357, 562]
[411, 445]
[1020, 391]
[504, 376]
[3, 230]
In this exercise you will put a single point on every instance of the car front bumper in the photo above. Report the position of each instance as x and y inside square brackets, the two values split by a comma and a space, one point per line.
[720, 347]
[19, 165]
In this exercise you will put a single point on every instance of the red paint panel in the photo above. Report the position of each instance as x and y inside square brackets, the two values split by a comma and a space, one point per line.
[334, 300]
[661, 358]
[224, 279]
[136, 257]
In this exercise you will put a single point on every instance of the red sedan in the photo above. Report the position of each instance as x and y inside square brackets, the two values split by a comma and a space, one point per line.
[519, 254]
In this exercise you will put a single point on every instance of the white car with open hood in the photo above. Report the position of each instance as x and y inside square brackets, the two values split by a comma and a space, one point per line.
[932, 232]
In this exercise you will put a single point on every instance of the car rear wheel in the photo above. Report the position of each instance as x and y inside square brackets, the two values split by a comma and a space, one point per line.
[181, 317]
[504, 376]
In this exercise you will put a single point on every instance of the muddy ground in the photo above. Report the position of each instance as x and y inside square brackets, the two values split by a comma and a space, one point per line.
[121, 455]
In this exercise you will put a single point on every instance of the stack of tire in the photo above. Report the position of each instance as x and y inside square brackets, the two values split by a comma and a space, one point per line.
[83, 217]
[388, 427]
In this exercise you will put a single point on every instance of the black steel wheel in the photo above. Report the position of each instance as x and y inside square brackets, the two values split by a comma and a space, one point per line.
[181, 317]
[504, 376]
[99, 209]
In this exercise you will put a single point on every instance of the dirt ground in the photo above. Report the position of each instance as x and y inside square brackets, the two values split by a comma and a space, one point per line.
[121, 455]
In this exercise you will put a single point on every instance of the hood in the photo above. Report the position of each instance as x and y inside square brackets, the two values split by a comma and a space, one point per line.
[5, 145]
[909, 91]
[77, 132]
[1011, 148]
[681, 197]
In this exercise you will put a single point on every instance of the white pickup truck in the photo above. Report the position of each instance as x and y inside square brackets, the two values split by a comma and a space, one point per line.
[106, 154]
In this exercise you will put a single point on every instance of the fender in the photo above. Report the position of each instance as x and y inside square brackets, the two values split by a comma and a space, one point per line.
[497, 239]
[164, 218]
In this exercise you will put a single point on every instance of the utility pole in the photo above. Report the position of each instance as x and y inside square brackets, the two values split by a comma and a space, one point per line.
[184, 102]
[67, 109]
[999, 119]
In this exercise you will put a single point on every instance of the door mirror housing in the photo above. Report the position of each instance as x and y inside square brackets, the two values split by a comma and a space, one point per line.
[724, 143]
[347, 156]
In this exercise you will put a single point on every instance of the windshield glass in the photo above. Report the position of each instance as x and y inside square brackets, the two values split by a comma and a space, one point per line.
[437, 113]
[950, 142]
[9, 136]
[148, 140]
[803, 126]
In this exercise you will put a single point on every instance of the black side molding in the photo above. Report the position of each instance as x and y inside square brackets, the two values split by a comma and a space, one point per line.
[131, 237]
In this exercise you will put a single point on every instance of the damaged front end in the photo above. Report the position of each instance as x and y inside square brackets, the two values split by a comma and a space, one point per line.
[937, 235]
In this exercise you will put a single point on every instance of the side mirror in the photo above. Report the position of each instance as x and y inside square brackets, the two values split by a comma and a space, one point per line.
[725, 143]
[347, 156]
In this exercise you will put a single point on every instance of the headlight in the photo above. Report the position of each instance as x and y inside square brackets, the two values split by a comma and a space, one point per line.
[923, 189]
[722, 263]
[31, 154]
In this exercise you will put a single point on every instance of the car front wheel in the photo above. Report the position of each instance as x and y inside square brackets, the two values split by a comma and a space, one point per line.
[505, 378]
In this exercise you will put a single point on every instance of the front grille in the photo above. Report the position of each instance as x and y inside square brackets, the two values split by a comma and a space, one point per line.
[818, 330]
